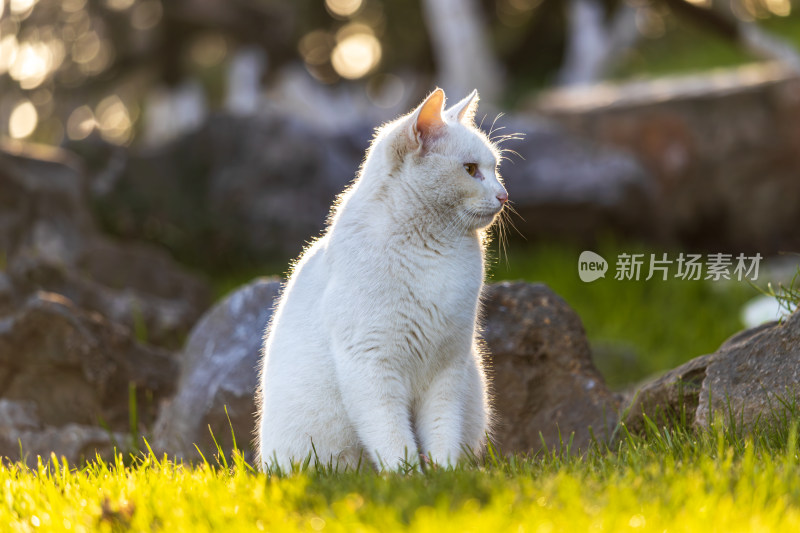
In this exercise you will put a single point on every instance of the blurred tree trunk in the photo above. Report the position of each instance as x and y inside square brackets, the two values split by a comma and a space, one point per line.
[593, 45]
[464, 57]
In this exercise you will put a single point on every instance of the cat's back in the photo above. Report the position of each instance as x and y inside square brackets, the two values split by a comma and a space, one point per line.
[299, 308]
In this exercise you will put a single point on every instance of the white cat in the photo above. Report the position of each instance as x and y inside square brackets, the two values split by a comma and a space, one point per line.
[372, 348]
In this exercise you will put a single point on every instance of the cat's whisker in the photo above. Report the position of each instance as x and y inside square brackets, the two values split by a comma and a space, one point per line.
[511, 221]
[494, 138]
[492, 127]
[505, 235]
[512, 152]
[510, 206]
[497, 233]
[423, 205]
[466, 220]
[456, 226]
[502, 236]
[517, 136]
[450, 225]
[469, 220]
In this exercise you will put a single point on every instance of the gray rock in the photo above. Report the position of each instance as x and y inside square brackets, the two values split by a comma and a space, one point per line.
[238, 188]
[219, 370]
[75, 367]
[17, 415]
[41, 205]
[74, 442]
[543, 379]
[564, 185]
[24, 438]
[752, 375]
[669, 399]
[50, 242]
[719, 147]
[750, 379]
[133, 284]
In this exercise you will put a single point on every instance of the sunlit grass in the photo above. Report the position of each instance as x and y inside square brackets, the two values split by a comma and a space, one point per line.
[667, 480]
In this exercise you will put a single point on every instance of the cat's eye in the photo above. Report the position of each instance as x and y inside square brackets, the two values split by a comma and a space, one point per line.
[471, 168]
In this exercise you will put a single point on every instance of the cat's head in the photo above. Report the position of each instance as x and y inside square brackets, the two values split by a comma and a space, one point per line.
[449, 162]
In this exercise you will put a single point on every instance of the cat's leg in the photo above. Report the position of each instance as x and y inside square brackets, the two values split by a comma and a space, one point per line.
[477, 415]
[452, 413]
[378, 405]
[317, 430]
[301, 414]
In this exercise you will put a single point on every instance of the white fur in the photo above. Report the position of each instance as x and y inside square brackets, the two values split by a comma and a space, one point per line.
[372, 347]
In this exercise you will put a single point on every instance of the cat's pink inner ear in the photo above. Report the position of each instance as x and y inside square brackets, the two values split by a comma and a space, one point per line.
[429, 123]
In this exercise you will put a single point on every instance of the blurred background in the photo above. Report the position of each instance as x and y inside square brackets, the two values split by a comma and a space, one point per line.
[215, 134]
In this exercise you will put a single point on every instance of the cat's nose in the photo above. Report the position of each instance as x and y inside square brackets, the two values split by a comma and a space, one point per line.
[502, 196]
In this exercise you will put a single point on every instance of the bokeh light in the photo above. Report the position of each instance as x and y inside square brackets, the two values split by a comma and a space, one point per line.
[8, 52]
[31, 65]
[23, 120]
[782, 8]
[343, 8]
[315, 47]
[357, 51]
[21, 7]
[61, 54]
[72, 6]
[86, 47]
[119, 5]
[386, 90]
[114, 120]
[146, 14]
[81, 123]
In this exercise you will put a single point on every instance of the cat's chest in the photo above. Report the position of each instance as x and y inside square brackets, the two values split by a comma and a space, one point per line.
[453, 283]
[443, 289]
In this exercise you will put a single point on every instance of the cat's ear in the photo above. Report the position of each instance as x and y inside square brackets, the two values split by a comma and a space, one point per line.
[464, 111]
[426, 122]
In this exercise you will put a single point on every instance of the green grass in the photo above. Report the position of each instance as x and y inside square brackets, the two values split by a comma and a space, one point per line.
[667, 480]
[636, 328]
